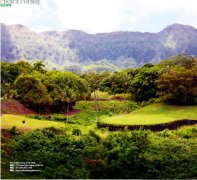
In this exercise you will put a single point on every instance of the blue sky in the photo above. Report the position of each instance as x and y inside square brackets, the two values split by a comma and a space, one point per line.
[94, 16]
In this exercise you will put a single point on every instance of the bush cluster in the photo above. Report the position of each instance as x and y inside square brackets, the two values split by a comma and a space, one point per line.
[128, 154]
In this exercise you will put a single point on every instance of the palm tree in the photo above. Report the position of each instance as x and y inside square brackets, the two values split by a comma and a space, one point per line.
[69, 97]
[114, 87]
[39, 66]
[94, 83]
[125, 84]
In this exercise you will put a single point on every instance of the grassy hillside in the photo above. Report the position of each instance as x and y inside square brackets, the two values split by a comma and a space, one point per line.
[87, 118]
[153, 114]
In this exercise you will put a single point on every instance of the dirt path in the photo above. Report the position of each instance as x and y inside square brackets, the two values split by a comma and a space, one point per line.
[73, 112]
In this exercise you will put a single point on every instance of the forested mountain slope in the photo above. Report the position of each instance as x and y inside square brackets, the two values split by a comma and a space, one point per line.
[76, 50]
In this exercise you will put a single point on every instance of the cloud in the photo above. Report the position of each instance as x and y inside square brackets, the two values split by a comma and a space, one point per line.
[37, 16]
[145, 13]
[102, 15]
[109, 15]
[89, 15]
[16, 14]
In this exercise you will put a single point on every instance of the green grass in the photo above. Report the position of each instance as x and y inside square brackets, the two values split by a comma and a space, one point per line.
[153, 114]
[101, 95]
[9, 120]
[107, 96]
[121, 106]
[87, 118]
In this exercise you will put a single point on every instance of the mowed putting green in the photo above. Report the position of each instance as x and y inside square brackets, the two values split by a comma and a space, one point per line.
[9, 120]
[153, 114]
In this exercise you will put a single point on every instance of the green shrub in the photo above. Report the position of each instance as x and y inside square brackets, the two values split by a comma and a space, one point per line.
[187, 133]
[4, 139]
[76, 131]
[138, 154]
[93, 134]
[55, 130]
[14, 131]
[4, 153]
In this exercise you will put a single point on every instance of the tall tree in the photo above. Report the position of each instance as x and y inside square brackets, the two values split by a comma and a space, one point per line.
[143, 85]
[32, 92]
[179, 85]
[114, 87]
[69, 97]
[125, 79]
[94, 81]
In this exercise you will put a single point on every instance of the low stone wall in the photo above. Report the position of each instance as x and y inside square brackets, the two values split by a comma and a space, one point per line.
[156, 127]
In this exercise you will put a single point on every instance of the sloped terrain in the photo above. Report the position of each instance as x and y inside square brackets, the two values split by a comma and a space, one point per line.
[10, 106]
[76, 50]
[154, 116]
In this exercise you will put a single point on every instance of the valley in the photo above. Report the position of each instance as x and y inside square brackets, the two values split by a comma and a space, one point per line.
[133, 123]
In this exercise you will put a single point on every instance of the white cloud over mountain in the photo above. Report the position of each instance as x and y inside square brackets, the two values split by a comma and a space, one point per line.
[102, 15]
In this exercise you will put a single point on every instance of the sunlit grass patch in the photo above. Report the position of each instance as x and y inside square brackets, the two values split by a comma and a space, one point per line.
[10, 120]
[153, 114]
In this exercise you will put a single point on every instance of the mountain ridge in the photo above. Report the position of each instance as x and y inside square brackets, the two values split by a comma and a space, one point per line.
[76, 49]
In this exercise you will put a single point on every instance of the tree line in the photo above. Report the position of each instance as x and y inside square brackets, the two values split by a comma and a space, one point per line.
[173, 80]
[40, 89]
